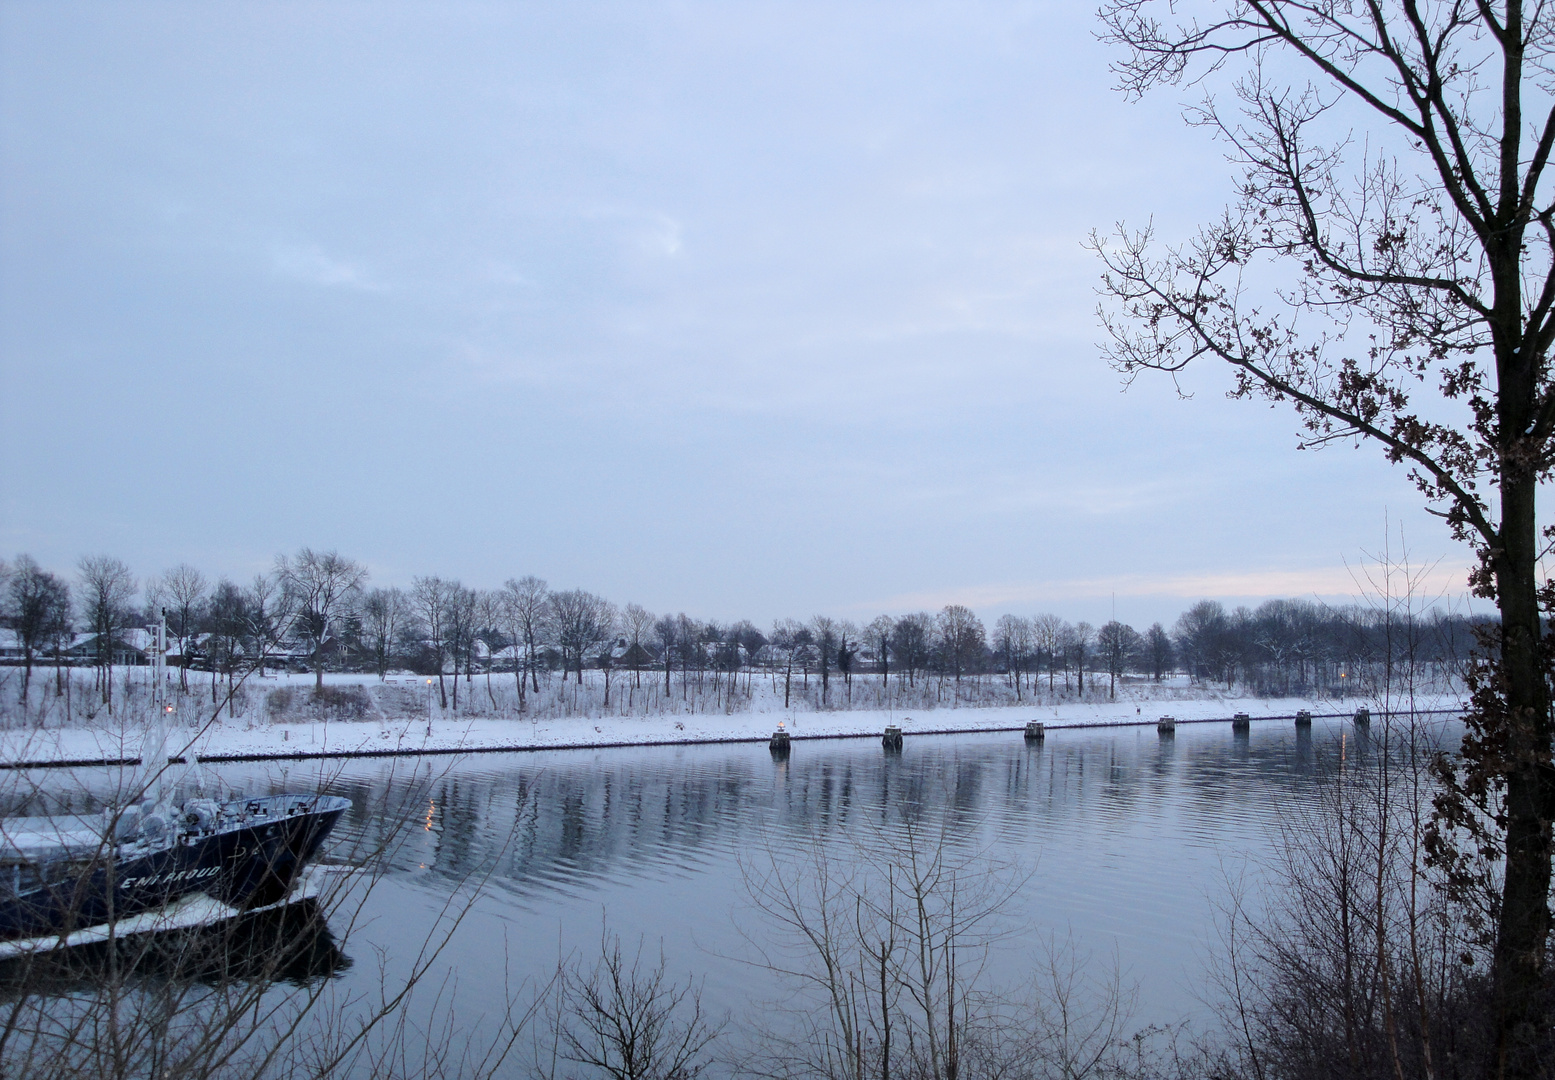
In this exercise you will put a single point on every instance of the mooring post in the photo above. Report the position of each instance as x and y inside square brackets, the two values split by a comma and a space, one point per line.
[1167, 725]
[1034, 731]
[892, 738]
[1241, 722]
[779, 744]
[1303, 718]
[1363, 717]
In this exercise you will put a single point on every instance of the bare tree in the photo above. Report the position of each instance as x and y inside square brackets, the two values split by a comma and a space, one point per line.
[609, 636]
[228, 624]
[666, 631]
[847, 649]
[1013, 639]
[884, 946]
[626, 1019]
[962, 638]
[637, 624]
[60, 633]
[429, 596]
[459, 627]
[1158, 646]
[879, 633]
[715, 640]
[690, 632]
[270, 614]
[1076, 1025]
[825, 630]
[1049, 633]
[912, 640]
[107, 599]
[579, 621]
[181, 592]
[36, 605]
[1201, 634]
[322, 587]
[1078, 640]
[1388, 271]
[747, 642]
[1118, 644]
[489, 606]
[525, 605]
[384, 612]
[1368, 963]
[784, 644]
[881, 944]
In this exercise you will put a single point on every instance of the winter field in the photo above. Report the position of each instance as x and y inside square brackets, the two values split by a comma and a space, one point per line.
[281, 716]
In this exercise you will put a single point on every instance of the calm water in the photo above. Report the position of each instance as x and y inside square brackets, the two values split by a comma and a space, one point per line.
[1129, 835]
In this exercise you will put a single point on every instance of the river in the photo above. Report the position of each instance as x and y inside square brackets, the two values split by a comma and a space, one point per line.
[1120, 840]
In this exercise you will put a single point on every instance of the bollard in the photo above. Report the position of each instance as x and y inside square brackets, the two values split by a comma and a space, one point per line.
[1363, 717]
[1303, 718]
[1167, 725]
[893, 738]
[1034, 731]
[1241, 722]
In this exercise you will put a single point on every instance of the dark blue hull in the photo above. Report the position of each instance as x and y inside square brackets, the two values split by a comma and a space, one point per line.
[285, 943]
[249, 860]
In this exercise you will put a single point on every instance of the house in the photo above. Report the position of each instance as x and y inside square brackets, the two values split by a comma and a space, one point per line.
[633, 656]
[129, 648]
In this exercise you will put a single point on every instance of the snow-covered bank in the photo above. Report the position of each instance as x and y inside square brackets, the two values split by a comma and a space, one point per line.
[227, 742]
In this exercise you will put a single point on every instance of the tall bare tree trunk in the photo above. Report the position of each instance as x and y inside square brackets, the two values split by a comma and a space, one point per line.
[1525, 919]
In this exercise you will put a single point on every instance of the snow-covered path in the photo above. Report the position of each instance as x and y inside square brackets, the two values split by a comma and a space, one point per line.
[282, 740]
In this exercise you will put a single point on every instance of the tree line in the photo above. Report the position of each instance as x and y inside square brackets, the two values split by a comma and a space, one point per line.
[316, 610]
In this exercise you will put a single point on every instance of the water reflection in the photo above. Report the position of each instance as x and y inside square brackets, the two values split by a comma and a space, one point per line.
[1129, 832]
[291, 945]
[571, 820]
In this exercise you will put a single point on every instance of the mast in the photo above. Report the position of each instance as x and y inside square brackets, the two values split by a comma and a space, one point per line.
[153, 756]
[159, 704]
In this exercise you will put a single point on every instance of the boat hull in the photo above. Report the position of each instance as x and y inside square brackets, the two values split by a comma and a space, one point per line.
[251, 861]
[289, 942]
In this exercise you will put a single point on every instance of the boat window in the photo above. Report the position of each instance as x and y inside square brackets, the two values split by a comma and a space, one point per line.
[21, 877]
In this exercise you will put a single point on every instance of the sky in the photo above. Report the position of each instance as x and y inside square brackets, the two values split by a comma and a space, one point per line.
[743, 309]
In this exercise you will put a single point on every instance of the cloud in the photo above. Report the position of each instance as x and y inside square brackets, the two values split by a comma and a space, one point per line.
[309, 264]
[650, 232]
[1432, 582]
[662, 237]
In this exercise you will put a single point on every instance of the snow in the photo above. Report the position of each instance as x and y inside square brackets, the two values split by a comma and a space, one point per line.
[416, 735]
[195, 909]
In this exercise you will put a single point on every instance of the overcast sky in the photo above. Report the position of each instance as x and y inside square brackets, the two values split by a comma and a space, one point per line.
[742, 309]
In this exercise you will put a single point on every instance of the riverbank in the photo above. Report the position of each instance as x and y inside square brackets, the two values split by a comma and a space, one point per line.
[284, 741]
